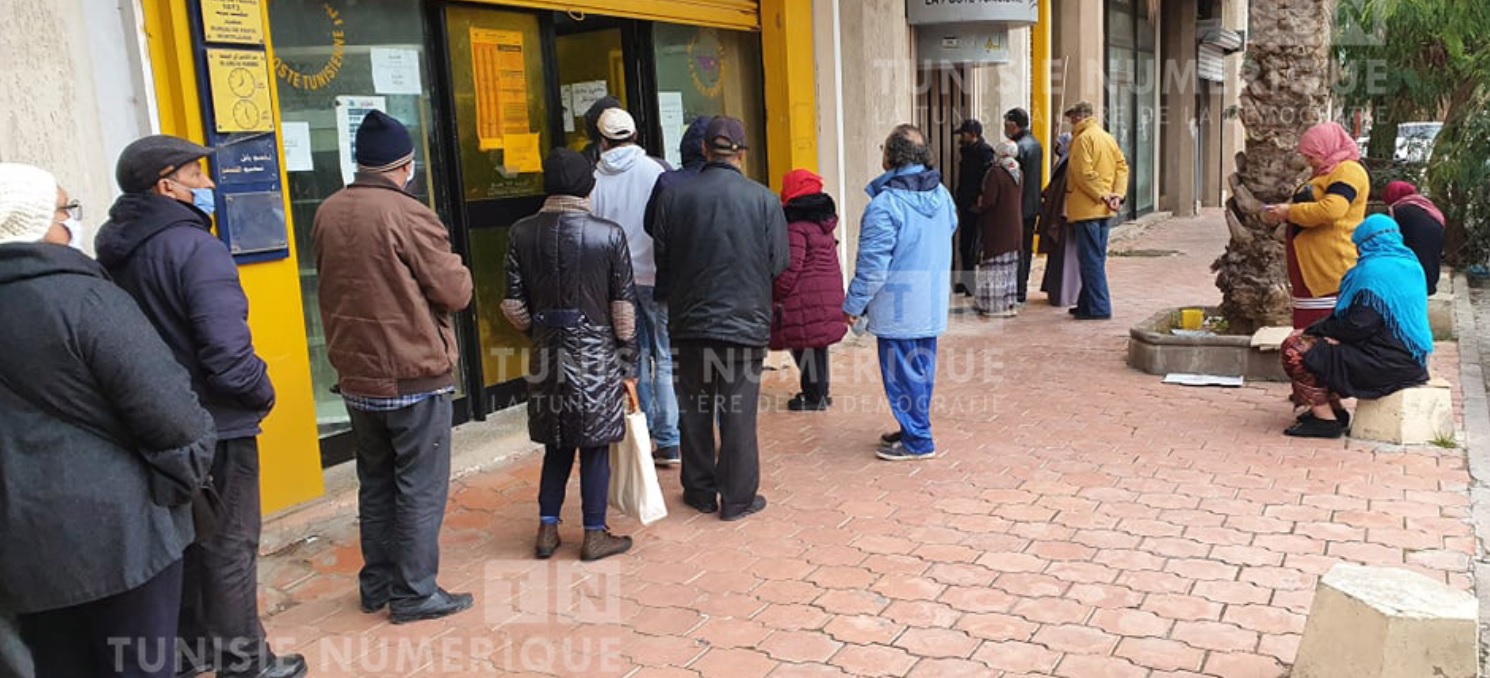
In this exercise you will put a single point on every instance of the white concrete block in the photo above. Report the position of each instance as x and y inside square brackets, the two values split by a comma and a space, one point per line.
[1270, 338]
[1376, 622]
[1414, 416]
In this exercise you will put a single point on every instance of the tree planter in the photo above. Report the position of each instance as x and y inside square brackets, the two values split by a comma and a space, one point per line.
[1154, 350]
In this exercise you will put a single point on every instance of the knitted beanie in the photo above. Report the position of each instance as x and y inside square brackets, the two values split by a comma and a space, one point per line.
[28, 199]
[383, 143]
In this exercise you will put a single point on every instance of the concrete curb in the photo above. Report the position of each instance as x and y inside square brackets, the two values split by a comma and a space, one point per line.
[1472, 346]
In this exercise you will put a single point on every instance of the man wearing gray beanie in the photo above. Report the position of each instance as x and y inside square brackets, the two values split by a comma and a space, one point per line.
[389, 284]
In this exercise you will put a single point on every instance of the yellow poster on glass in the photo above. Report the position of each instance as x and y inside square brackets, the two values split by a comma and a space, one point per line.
[240, 90]
[240, 22]
[501, 86]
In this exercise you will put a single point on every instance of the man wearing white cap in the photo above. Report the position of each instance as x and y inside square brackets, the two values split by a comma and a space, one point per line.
[102, 446]
[624, 179]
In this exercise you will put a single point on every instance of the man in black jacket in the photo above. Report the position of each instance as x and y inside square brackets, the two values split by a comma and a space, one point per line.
[720, 242]
[158, 245]
[1032, 166]
[977, 157]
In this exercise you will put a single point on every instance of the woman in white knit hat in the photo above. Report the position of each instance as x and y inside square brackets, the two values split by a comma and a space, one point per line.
[102, 447]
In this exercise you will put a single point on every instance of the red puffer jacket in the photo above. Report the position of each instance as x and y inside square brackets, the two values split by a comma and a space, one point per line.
[808, 296]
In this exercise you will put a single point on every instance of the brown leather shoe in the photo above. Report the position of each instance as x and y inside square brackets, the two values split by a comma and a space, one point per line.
[602, 544]
[548, 540]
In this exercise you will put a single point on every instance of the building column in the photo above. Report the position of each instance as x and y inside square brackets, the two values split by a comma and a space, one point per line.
[1233, 135]
[1179, 86]
[1078, 69]
[791, 97]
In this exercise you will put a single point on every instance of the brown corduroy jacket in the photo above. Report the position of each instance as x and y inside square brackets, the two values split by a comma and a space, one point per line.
[388, 284]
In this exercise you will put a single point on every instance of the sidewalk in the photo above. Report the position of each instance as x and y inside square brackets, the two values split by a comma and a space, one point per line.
[1087, 521]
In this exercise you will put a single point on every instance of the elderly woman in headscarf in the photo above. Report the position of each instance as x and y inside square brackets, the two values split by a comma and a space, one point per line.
[1324, 213]
[1376, 341]
[1001, 223]
[1062, 282]
[1422, 227]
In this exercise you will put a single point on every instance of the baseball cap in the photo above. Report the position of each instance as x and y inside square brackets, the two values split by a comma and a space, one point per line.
[970, 126]
[726, 134]
[616, 124]
[148, 160]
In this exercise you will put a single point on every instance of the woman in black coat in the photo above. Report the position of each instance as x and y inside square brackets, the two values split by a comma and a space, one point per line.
[102, 447]
[570, 288]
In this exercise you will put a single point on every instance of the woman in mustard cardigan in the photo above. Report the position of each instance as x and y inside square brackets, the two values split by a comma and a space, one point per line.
[1322, 219]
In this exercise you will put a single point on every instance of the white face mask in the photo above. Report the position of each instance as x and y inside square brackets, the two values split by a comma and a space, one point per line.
[74, 232]
[410, 182]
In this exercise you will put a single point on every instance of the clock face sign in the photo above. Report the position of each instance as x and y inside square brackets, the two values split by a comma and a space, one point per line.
[245, 113]
[241, 82]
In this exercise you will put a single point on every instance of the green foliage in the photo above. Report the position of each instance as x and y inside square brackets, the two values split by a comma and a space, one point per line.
[1458, 180]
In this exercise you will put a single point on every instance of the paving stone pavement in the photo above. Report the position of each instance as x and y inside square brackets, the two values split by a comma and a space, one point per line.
[1086, 521]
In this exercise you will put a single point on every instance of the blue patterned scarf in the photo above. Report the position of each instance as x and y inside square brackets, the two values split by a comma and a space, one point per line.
[1392, 279]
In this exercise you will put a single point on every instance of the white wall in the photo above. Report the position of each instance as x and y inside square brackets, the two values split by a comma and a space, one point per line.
[72, 92]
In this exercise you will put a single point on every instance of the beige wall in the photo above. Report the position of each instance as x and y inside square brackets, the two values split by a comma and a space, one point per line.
[72, 92]
[1078, 37]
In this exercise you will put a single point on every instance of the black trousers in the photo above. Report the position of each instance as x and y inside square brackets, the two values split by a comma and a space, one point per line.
[717, 381]
[403, 470]
[1026, 259]
[969, 246]
[220, 628]
[129, 635]
[813, 364]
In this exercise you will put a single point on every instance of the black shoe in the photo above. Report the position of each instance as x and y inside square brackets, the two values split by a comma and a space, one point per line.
[756, 506]
[891, 438]
[1315, 428]
[287, 666]
[702, 506]
[801, 403]
[1072, 310]
[667, 456]
[962, 289]
[1341, 416]
[438, 605]
[373, 605]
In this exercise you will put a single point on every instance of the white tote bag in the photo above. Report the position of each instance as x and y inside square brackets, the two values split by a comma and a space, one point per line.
[634, 490]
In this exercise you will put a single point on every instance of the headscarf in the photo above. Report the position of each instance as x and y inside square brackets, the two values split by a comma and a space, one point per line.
[1400, 193]
[1062, 146]
[1392, 279]
[567, 173]
[1006, 154]
[1331, 143]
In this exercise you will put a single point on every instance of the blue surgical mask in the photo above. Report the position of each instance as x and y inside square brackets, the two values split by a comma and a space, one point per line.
[205, 199]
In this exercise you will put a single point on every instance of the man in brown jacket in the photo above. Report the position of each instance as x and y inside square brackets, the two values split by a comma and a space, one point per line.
[388, 284]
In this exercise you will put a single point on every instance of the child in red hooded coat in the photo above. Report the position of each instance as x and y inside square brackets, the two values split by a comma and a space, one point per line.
[808, 295]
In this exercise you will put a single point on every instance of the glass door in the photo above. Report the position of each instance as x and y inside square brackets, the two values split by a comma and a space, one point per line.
[501, 114]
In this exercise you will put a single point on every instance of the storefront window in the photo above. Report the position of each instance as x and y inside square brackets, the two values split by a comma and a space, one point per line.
[1132, 79]
[705, 72]
[334, 61]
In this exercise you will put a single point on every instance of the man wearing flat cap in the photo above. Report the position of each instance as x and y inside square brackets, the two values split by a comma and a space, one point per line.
[158, 245]
[720, 242]
[389, 284]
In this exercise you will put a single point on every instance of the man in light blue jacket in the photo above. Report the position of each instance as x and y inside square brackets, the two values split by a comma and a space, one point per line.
[902, 284]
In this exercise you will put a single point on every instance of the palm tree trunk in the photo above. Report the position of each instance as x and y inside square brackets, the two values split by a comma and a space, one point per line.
[1287, 78]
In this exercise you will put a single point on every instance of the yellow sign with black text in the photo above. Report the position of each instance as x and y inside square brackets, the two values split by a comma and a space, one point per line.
[239, 22]
[240, 91]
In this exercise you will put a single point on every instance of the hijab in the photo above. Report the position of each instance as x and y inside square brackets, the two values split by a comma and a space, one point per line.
[1401, 193]
[1391, 278]
[1006, 154]
[1331, 143]
[1062, 146]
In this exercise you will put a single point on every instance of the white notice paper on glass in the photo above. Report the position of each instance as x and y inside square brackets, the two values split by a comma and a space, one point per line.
[395, 71]
[349, 114]
[586, 94]
[670, 112]
[566, 98]
[297, 147]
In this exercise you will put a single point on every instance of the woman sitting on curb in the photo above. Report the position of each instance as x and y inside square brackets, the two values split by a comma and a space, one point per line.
[1377, 341]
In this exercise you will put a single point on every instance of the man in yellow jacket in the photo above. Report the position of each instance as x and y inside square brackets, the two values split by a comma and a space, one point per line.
[1097, 181]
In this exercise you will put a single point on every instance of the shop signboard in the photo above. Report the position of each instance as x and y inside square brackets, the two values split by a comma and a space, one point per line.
[922, 12]
[975, 44]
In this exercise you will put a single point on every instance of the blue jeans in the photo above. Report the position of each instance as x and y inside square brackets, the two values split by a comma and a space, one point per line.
[1091, 252]
[654, 371]
[908, 368]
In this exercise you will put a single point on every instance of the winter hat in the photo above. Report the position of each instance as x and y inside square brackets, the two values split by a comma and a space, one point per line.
[28, 199]
[616, 124]
[383, 143]
[145, 161]
[567, 173]
[800, 182]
